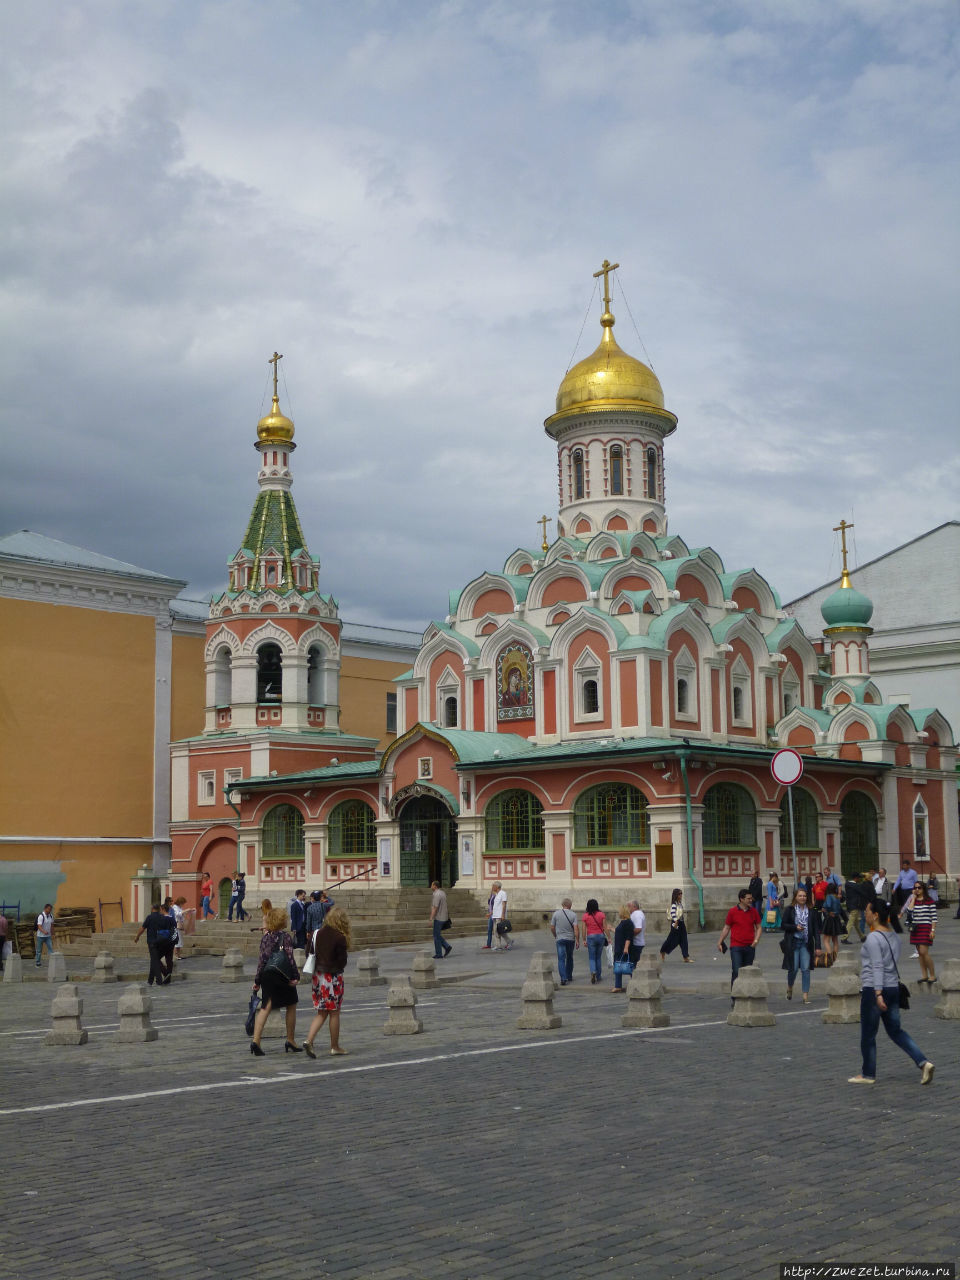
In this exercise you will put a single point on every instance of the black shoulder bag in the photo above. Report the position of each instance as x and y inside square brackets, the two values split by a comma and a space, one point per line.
[904, 990]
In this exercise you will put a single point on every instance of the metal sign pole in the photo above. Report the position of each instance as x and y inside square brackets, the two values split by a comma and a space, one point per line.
[793, 839]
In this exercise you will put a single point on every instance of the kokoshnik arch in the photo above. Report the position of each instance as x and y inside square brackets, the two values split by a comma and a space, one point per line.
[596, 717]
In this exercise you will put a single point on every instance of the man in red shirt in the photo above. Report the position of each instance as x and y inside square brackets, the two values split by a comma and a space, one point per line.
[742, 927]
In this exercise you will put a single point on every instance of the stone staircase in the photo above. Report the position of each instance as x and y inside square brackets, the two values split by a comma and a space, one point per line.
[378, 918]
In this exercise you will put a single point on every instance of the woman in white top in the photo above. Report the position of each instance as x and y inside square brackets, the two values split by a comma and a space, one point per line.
[677, 937]
[880, 994]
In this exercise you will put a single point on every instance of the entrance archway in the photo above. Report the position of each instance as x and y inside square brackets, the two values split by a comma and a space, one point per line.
[428, 843]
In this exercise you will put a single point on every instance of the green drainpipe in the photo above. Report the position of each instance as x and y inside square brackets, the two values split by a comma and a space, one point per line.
[682, 757]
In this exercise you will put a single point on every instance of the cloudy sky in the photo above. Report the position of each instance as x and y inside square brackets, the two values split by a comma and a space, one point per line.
[408, 199]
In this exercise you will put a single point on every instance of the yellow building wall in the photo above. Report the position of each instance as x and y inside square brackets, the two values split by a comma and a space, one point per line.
[364, 685]
[76, 721]
[75, 875]
[188, 687]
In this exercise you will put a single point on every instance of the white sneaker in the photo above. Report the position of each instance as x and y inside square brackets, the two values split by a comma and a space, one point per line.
[861, 1080]
[914, 955]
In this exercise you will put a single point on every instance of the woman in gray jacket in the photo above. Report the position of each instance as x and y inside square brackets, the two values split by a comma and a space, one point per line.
[880, 994]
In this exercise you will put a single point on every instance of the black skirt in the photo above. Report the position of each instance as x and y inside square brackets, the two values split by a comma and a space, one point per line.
[276, 989]
[832, 926]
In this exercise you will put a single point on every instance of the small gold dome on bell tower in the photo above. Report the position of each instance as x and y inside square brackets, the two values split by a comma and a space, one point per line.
[275, 427]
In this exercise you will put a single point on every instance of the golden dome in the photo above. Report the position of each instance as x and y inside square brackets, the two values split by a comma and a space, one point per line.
[609, 375]
[275, 427]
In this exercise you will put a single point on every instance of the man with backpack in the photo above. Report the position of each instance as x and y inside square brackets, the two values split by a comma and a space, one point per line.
[156, 924]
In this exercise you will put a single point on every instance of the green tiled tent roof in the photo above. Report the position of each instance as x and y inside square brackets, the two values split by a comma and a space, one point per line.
[274, 525]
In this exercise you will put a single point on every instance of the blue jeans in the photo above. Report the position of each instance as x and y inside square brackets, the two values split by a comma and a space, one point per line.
[440, 944]
[595, 945]
[207, 909]
[41, 939]
[490, 932]
[799, 962]
[565, 958]
[740, 958]
[235, 902]
[870, 1019]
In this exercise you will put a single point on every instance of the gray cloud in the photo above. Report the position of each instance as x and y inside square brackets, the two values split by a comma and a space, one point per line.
[408, 201]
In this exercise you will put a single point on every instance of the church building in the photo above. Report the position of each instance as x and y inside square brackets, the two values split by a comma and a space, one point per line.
[596, 717]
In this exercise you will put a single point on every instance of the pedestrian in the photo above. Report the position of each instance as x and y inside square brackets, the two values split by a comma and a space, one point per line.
[298, 918]
[923, 930]
[834, 919]
[490, 901]
[331, 944]
[206, 895]
[241, 894]
[318, 906]
[440, 919]
[677, 937]
[639, 937]
[167, 940]
[853, 901]
[593, 929]
[771, 920]
[880, 995]
[820, 888]
[498, 914]
[155, 923]
[903, 885]
[833, 879]
[742, 927]
[756, 892]
[266, 906]
[276, 978]
[45, 931]
[564, 927]
[623, 935]
[178, 915]
[801, 943]
[234, 900]
[882, 887]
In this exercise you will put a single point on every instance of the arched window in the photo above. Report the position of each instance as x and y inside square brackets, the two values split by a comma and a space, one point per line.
[578, 473]
[591, 697]
[805, 820]
[683, 697]
[353, 830]
[651, 473]
[858, 833]
[283, 834]
[450, 713]
[514, 820]
[223, 672]
[611, 816]
[729, 818]
[315, 676]
[269, 673]
[921, 840]
[616, 469]
[737, 702]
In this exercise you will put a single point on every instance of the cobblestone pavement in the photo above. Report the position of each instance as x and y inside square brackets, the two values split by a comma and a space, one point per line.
[473, 1149]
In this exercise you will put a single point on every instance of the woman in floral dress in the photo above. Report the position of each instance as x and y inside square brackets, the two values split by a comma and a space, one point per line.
[331, 943]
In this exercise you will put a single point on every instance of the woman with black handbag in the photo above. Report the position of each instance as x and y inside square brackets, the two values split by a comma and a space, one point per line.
[880, 994]
[276, 977]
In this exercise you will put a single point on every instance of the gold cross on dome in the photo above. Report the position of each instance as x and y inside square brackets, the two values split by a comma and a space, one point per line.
[543, 522]
[275, 361]
[842, 528]
[604, 271]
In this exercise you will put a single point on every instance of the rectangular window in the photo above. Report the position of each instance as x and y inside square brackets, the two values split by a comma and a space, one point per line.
[391, 713]
[207, 787]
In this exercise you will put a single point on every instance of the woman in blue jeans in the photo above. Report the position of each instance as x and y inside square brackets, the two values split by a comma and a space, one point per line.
[880, 994]
[801, 943]
[595, 932]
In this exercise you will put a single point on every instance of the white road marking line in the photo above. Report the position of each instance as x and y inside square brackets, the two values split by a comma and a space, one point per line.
[247, 1081]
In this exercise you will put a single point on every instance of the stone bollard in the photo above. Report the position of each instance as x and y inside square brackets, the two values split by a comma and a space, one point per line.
[544, 965]
[13, 969]
[537, 993]
[134, 1009]
[750, 993]
[300, 959]
[843, 994]
[424, 972]
[368, 970]
[644, 992]
[949, 1006]
[846, 960]
[275, 1027]
[66, 1009]
[57, 968]
[402, 1003]
[232, 968]
[103, 968]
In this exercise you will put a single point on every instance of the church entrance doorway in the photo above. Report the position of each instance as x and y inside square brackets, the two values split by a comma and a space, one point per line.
[428, 843]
